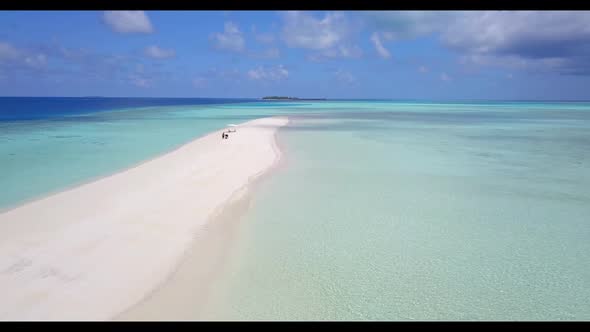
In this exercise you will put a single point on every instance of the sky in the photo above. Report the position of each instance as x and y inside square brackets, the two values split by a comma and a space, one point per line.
[427, 55]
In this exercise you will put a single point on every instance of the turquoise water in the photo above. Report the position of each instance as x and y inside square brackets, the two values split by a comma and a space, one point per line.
[41, 156]
[388, 211]
[382, 211]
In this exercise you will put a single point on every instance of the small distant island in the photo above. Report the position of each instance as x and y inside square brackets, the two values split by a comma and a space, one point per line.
[289, 98]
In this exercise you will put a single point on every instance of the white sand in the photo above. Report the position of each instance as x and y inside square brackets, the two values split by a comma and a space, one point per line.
[91, 252]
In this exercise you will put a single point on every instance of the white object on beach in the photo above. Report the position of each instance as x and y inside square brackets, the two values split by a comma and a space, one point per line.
[232, 125]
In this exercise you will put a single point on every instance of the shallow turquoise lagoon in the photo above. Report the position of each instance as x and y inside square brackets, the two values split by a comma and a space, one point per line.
[477, 212]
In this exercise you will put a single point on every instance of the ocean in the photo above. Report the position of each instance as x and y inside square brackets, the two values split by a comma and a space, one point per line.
[381, 210]
[49, 144]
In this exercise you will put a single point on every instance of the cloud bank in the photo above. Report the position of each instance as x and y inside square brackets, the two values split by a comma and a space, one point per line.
[128, 21]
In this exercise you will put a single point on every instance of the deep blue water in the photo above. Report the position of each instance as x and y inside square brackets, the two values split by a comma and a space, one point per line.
[37, 108]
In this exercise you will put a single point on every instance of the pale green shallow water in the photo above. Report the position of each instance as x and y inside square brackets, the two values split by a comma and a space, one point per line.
[429, 215]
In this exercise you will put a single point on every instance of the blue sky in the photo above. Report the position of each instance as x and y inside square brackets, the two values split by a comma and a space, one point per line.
[415, 55]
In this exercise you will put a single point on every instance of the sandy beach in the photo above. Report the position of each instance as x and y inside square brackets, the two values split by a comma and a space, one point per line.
[91, 252]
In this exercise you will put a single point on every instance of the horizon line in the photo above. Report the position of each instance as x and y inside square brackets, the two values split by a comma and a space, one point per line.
[308, 98]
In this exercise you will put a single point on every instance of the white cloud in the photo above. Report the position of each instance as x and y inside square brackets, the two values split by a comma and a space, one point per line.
[21, 58]
[444, 77]
[409, 24]
[349, 51]
[265, 38]
[524, 32]
[339, 51]
[128, 21]
[517, 62]
[260, 73]
[381, 50]
[534, 40]
[271, 53]
[156, 52]
[55, 62]
[231, 39]
[36, 60]
[423, 69]
[344, 76]
[305, 31]
[8, 52]
[328, 37]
